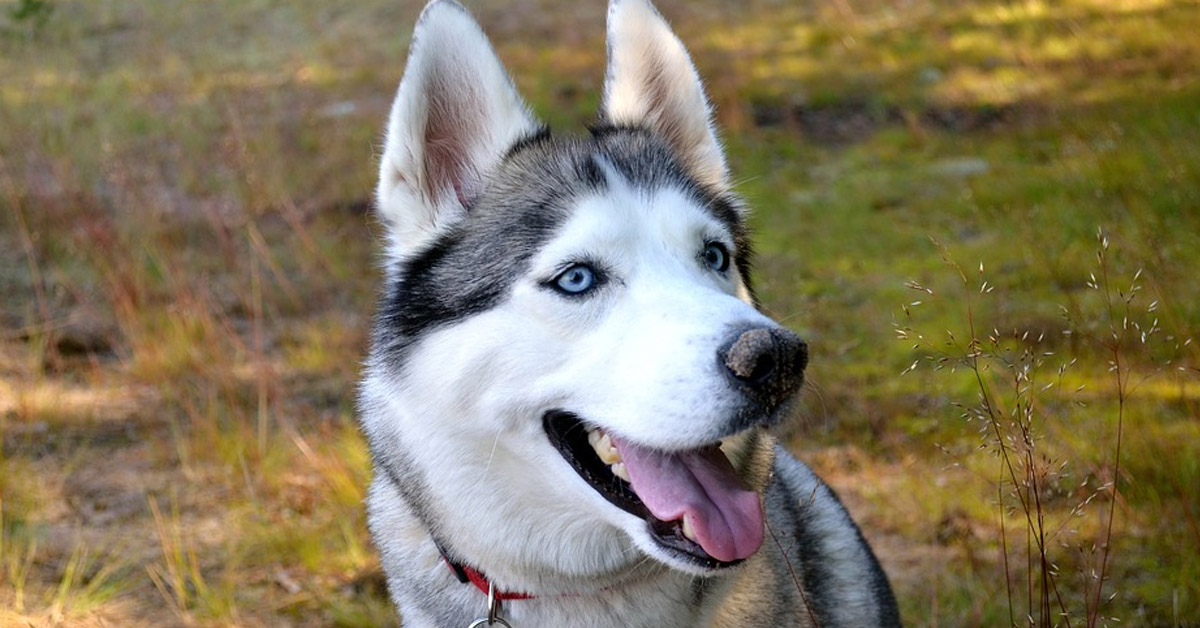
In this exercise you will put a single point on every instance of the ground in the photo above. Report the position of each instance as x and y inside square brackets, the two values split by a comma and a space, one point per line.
[984, 217]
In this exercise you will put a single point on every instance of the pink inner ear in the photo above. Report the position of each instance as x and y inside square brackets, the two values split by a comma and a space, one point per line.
[456, 115]
[445, 153]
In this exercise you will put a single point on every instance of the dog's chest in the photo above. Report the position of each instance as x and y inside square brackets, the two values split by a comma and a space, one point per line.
[644, 607]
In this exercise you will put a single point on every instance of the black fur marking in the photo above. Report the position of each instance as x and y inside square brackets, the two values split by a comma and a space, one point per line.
[591, 172]
[464, 273]
[603, 127]
[541, 134]
[699, 590]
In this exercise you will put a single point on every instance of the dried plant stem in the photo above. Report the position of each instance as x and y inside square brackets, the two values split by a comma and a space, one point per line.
[35, 273]
[1004, 552]
[1035, 529]
[1122, 378]
[795, 578]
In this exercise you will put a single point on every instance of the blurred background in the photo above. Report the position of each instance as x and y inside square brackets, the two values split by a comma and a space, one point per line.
[984, 216]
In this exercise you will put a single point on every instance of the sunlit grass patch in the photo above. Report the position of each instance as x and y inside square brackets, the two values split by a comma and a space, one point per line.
[36, 584]
[179, 576]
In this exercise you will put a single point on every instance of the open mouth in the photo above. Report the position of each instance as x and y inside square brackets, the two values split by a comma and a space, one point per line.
[693, 502]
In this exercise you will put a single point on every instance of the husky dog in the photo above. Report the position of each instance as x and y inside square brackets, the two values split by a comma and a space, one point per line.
[569, 386]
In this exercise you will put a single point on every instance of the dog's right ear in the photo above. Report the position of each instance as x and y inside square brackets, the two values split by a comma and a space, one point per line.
[455, 114]
[651, 82]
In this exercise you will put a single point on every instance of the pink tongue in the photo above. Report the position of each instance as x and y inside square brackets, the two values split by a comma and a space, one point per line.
[700, 483]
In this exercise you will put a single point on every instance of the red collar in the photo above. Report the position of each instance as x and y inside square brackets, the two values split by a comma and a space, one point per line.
[466, 573]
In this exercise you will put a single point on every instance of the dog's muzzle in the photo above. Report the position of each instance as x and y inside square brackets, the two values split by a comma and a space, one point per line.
[765, 363]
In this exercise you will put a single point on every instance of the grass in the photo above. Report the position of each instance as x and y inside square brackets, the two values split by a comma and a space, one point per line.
[188, 270]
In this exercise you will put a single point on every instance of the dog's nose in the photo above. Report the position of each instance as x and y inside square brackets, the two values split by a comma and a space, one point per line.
[765, 363]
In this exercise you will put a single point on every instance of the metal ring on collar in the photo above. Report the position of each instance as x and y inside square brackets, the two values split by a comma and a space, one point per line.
[493, 615]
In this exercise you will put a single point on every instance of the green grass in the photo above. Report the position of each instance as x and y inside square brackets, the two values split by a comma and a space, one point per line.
[183, 189]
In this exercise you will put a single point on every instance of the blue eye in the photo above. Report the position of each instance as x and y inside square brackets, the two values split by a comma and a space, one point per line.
[716, 256]
[577, 279]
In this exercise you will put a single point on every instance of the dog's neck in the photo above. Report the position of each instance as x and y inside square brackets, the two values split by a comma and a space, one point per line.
[662, 597]
[466, 573]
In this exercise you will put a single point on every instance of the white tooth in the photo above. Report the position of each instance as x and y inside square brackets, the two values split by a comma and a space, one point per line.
[687, 528]
[593, 437]
[618, 470]
[604, 448]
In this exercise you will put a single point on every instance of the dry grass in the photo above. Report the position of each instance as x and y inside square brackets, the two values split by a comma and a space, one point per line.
[187, 265]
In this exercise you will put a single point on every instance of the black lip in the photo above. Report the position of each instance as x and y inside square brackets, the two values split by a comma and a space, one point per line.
[568, 434]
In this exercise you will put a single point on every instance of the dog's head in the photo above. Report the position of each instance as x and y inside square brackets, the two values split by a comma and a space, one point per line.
[568, 343]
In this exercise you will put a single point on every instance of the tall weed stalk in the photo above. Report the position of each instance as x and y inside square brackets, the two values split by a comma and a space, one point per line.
[1018, 408]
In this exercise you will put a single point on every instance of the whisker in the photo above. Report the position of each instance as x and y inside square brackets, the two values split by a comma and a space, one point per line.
[492, 455]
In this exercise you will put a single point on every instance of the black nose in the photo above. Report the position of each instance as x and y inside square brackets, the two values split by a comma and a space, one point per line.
[765, 363]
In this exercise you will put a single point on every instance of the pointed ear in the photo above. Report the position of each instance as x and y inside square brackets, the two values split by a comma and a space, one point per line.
[455, 114]
[651, 82]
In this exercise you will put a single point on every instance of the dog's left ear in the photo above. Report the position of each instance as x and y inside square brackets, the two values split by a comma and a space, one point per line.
[651, 82]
